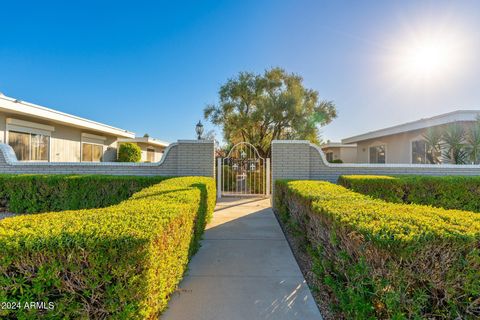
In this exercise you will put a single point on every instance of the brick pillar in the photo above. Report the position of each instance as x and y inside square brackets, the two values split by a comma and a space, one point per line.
[196, 157]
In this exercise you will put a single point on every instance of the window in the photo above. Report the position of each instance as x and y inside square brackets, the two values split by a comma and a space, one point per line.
[377, 154]
[150, 155]
[329, 156]
[420, 153]
[91, 152]
[29, 146]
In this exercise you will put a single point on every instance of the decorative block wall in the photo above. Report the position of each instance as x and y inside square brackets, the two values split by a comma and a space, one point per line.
[300, 159]
[183, 158]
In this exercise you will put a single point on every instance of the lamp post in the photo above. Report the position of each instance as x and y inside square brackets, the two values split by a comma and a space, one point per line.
[199, 130]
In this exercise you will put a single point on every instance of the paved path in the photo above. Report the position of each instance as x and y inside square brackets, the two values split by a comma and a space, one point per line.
[244, 270]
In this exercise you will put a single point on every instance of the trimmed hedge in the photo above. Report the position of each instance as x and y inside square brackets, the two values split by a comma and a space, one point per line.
[387, 260]
[118, 262]
[43, 193]
[448, 192]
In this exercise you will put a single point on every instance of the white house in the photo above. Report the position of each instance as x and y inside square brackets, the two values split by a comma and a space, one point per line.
[37, 133]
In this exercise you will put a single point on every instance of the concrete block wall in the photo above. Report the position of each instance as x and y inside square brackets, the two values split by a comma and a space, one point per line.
[183, 158]
[300, 159]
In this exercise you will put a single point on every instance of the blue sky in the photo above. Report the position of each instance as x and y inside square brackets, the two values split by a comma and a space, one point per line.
[153, 66]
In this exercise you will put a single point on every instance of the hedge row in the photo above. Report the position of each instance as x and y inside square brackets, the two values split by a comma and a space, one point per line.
[448, 192]
[118, 262]
[385, 260]
[44, 193]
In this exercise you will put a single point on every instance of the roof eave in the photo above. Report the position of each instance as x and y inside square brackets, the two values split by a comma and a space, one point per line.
[33, 110]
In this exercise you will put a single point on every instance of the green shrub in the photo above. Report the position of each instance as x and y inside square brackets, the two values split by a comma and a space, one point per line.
[387, 188]
[448, 192]
[387, 260]
[129, 152]
[43, 193]
[118, 262]
[337, 161]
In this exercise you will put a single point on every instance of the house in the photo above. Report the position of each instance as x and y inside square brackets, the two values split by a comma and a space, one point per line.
[405, 143]
[152, 149]
[37, 133]
[336, 151]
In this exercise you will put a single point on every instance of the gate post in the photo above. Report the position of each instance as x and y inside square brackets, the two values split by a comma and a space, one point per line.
[267, 178]
[219, 178]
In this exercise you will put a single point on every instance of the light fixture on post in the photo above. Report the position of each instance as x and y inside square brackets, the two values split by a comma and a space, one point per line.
[288, 132]
[199, 130]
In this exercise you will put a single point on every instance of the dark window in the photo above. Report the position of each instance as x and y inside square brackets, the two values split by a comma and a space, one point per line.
[421, 154]
[91, 152]
[29, 146]
[377, 154]
[329, 156]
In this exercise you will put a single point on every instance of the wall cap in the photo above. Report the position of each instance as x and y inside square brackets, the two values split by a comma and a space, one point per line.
[290, 141]
[389, 165]
[196, 141]
[11, 159]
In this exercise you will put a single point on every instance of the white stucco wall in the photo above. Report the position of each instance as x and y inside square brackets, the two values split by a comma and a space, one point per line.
[65, 141]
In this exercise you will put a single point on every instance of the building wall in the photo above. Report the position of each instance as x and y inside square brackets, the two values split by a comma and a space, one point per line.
[335, 152]
[347, 155]
[65, 141]
[298, 159]
[184, 158]
[158, 151]
[398, 146]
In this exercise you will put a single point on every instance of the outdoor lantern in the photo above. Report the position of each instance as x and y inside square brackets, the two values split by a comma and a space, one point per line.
[199, 129]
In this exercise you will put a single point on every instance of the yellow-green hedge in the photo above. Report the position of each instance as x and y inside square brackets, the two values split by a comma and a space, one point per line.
[118, 262]
[448, 192]
[387, 260]
[33, 193]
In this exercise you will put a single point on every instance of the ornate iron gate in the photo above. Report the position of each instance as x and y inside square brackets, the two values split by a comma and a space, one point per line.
[243, 172]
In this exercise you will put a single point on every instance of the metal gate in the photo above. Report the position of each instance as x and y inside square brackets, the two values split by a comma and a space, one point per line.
[243, 172]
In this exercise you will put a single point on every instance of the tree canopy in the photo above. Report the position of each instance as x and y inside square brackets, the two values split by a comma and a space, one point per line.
[259, 108]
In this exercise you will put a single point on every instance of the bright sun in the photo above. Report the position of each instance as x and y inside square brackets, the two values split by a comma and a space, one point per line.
[428, 58]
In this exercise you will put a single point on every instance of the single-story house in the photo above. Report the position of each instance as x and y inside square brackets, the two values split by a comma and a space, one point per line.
[335, 151]
[152, 149]
[404, 143]
[37, 133]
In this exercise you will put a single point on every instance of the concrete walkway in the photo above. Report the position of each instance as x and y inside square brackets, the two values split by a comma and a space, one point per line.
[244, 270]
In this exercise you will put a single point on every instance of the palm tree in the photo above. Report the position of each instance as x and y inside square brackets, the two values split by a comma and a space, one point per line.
[473, 142]
[433, 139]
[454, 144]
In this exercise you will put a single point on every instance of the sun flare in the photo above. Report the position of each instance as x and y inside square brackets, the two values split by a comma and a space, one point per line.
[429, 58]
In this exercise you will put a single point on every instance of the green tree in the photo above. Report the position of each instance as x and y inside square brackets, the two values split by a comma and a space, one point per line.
[129, 152]
[433, 139]
[259, 108]
[454, 144]
[473, 142]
